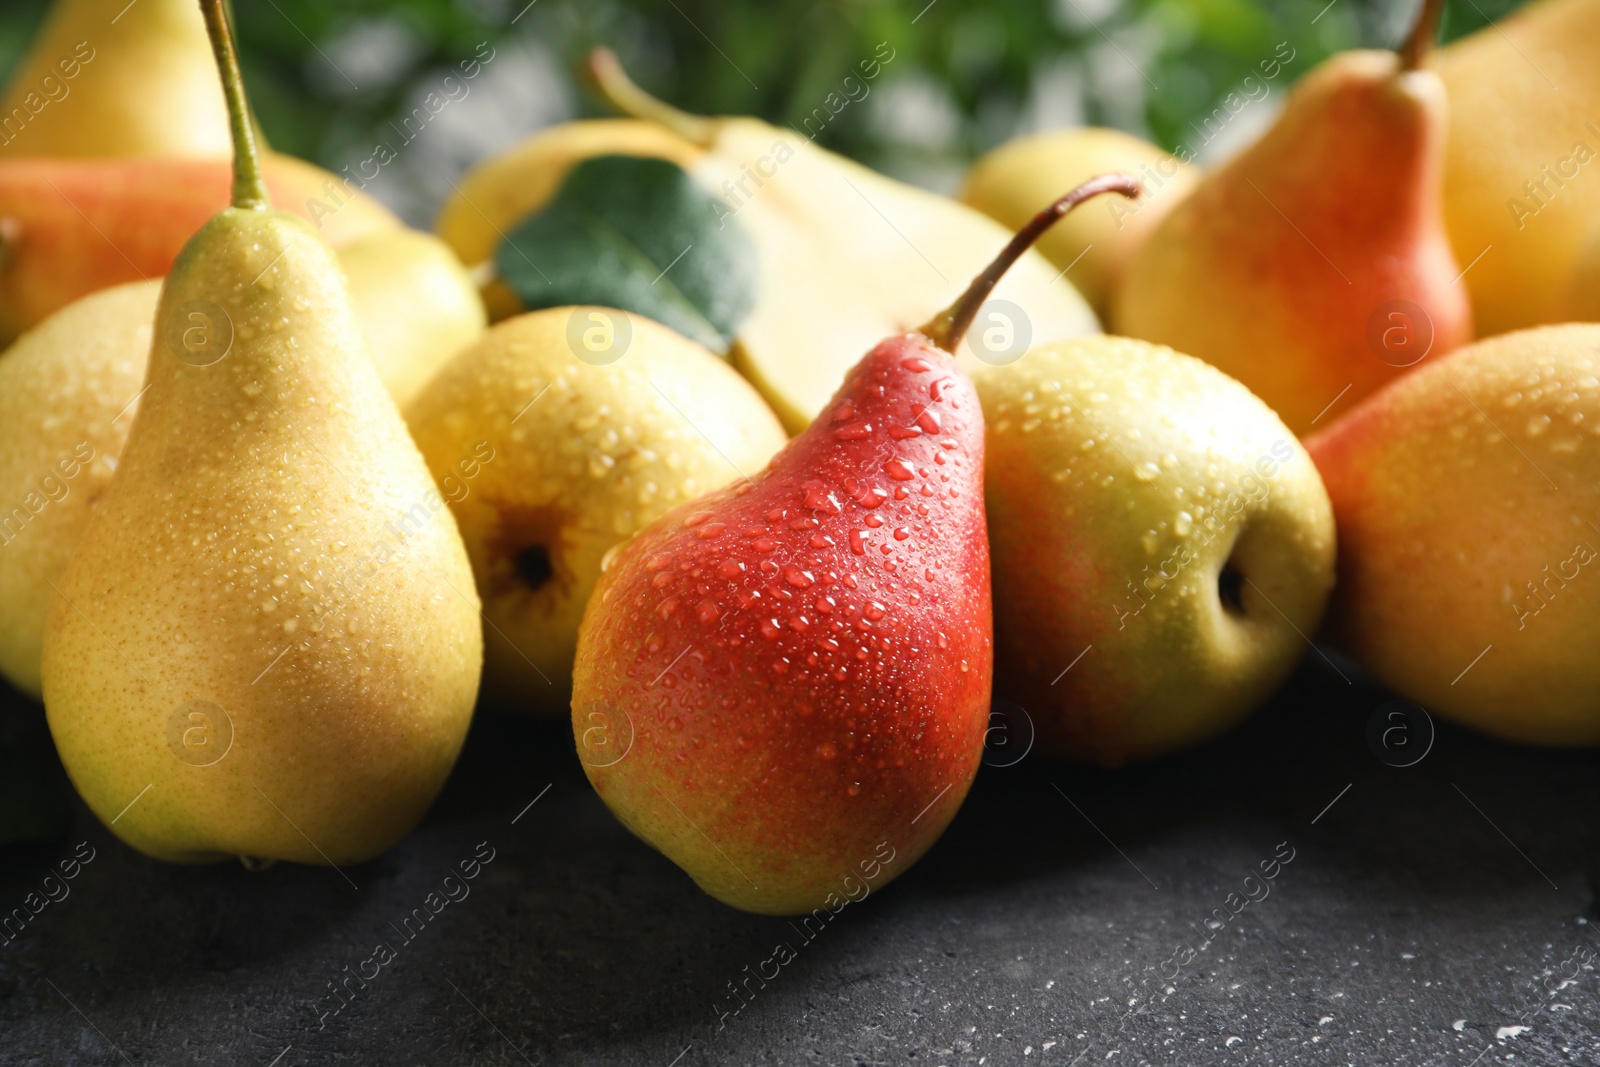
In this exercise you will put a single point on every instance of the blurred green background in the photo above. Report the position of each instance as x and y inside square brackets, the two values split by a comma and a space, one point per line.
[329, 78]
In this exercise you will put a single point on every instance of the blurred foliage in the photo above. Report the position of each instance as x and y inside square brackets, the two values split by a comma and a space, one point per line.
[966, 74]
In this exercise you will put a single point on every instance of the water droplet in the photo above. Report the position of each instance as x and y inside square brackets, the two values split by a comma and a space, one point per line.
[874, 611]
[731, 568]
[796, 577]
[710, 530]
[695, 518]
[819, 498]
[899, 470]
[856, 431]
[916, 363]
[1183, 525]
[858, 541]
[854, 789]
[1146, 471]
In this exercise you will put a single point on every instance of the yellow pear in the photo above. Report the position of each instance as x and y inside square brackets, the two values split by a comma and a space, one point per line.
[113, 78]
[416, 304]
[68, 396]
[1583, 288]
[845, 256]
[1020, 178]
[69, 392]
[267, 643]
[1469, 537]
[557, 437]
[1161, 543]
[1521, 195]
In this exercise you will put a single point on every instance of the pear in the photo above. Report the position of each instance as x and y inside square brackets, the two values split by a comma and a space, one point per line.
[1468, 547]
[828, 233]
[1015, 180]
[1161, 543]
[1583, 288]
[1314, 266]
[551, 454]
[68, 393]
[784, 685]
[267, 642]
[69, 227]
[70, 388]
[1520, 198]
[113, 78]
[417, 306]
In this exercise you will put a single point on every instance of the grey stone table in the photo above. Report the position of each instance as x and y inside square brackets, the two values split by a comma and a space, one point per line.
[1441, 913]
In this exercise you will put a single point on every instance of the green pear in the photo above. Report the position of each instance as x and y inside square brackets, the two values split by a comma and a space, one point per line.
[1469, 534]
[558, 436]
[113, 78]
[1161, 543]
[68, 396]
[1520, 191]
[1314, 266]
[267, 642]
[417, 306]
[1017, 179]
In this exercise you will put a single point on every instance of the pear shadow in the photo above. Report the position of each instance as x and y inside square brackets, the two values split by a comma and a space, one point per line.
[1437, 826]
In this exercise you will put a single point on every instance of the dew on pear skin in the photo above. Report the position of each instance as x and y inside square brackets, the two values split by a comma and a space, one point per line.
[1146, 472]
[856, 431]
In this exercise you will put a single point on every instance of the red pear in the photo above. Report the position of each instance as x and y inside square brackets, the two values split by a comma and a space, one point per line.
[71, 227]
[1314, 267]
[784, 685]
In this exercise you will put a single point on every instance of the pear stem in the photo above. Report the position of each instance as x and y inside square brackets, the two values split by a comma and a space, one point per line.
[249, 189]
[947, 328]
[619, 90]
[1414, 52]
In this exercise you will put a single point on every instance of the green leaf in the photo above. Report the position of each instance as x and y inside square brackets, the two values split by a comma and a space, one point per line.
[637, 234]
